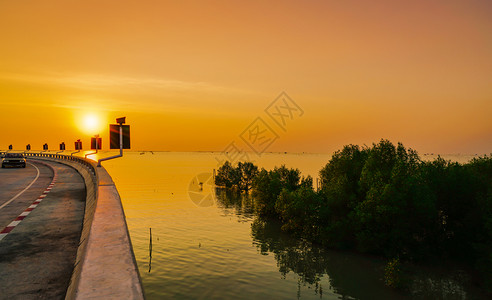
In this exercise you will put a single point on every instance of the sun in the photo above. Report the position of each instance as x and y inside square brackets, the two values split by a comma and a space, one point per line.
[91, 122]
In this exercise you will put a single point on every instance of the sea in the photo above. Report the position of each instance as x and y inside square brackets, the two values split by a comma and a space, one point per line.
[192, 241]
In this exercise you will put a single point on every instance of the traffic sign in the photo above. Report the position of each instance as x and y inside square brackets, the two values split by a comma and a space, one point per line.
[96, 143]
[114, 136]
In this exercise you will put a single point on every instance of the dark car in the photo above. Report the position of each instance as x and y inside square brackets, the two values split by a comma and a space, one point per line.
[13, 160]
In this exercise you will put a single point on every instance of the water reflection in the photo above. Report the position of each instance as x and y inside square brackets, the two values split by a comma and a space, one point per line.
[150, 249]
[349, 275]
[235, 204]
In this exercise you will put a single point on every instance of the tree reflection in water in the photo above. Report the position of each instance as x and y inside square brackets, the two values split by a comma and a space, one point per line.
[235, 204]
[350, 275]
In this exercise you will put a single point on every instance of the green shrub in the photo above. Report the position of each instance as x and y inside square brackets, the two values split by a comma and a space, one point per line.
[240, 177]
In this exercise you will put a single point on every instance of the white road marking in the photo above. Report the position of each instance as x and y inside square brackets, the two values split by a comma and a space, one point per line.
[21, 192]
[13, 223]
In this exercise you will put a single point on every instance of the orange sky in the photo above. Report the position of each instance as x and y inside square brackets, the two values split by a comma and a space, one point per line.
[192, 75]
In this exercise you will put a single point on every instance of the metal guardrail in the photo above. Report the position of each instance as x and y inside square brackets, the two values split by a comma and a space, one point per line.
[87, 163]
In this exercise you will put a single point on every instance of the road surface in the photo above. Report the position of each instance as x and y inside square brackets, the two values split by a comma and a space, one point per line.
[38, 254]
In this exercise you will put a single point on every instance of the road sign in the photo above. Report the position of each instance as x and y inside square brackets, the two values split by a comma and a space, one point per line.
[114, 136]
[78, 145]
[96, 143]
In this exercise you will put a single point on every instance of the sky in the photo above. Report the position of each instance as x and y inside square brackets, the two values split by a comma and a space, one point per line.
[204, 75]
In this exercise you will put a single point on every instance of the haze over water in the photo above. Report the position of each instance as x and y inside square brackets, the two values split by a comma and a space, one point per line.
[205, 252]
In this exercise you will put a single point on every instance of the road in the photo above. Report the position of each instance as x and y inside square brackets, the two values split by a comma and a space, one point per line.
[37, 255]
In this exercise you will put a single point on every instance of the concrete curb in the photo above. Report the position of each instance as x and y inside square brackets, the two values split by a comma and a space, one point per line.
[105, 266]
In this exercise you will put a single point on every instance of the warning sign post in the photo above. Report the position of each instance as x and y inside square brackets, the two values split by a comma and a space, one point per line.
[119, 138]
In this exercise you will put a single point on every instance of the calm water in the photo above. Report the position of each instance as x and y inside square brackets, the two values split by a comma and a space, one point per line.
[208, 245]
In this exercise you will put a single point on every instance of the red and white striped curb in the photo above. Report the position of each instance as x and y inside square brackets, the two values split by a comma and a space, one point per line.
[28, 210]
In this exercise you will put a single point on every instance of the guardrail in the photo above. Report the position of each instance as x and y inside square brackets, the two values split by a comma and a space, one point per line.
[91, 166]
[77, 159]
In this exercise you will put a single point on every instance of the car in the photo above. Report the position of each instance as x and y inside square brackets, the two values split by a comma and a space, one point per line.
[13, 160]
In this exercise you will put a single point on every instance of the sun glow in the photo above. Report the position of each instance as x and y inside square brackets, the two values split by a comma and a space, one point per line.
[90, 123]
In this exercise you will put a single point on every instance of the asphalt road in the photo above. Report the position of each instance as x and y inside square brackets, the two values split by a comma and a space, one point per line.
[13, 181]
[37, 256]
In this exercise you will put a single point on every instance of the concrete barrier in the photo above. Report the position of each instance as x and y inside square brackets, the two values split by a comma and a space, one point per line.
[105, 266]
